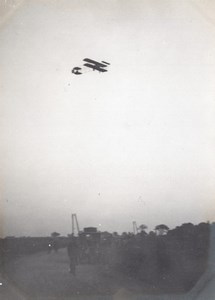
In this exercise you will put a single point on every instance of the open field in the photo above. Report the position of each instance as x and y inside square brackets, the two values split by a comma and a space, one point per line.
[46, 276]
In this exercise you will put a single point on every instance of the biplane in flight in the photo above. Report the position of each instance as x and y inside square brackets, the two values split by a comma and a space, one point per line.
[93, 65]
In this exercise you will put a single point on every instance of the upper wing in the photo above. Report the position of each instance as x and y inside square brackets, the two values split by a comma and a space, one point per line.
[96, 63]
[105, 62]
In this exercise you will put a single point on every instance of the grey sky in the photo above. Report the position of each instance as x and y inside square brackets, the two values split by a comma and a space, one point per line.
[135, 143]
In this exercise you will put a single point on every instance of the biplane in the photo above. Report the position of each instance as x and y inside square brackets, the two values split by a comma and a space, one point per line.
[92, 64]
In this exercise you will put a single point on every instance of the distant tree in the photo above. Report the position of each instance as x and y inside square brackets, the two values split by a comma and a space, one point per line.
[203, 229]
[161, 229]
[115, 234]
[130, 234]
[142, 227]
[203, 225]
[184, 232]
[124, 235]
[55, 234]
[151, 233]
[185, 226]
[188, 228]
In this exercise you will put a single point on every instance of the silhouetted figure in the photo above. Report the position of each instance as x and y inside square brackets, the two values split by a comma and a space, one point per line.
[49, 248]
[73, 253]
[55, 246]
[52, 245]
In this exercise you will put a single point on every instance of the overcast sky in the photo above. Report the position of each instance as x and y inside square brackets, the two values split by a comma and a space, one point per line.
[133, 144]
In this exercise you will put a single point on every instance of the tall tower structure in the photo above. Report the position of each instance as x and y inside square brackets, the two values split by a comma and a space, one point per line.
[75, 225]
[135, 228]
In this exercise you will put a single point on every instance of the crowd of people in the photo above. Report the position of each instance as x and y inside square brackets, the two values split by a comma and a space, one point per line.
[180, 254]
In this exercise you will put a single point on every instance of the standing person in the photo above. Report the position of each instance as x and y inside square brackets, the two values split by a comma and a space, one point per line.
[49, 248]
[55, 245]
[73, 250]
